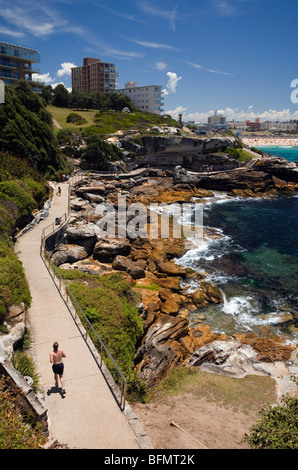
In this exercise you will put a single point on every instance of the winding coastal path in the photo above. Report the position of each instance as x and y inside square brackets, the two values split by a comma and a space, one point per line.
[87, 416]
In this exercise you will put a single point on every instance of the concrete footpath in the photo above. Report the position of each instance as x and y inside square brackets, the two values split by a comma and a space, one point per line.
[87, 416]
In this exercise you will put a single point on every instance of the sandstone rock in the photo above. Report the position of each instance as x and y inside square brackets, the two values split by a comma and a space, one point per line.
[183, 312]
[171, 269]
[108, 248]
[15, 314]
[160, 348]
[169, 283]
[82, 231]
[240, 179]
[224, 352]
[151, 266]
[95, 198]
[199, 298]
[7, 341]
[79, 204]
[136, 272]
[267, 350]
[279, 167]
[181, 176]
[213, 293]
[70, 253]
[169, 307]
[278, 183]
[99, 188]
[121, 263]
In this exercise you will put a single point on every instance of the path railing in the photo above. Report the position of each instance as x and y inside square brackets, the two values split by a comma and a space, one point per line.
[79, 316]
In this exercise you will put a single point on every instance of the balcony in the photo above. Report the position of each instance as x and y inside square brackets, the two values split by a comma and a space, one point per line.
[15, 76]
[31, 68]
[6, 63]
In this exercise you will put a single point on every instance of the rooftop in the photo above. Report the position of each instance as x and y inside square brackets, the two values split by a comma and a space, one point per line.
[19, 51]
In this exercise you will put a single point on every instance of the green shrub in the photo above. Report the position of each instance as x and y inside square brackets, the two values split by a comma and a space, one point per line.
[22, 362]
[12, 191]
[278, 427]
[109, 306]
[14, 432]
[76, 119]
[14, 288]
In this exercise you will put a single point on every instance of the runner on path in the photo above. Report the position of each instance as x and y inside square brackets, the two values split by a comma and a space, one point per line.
[56, 357]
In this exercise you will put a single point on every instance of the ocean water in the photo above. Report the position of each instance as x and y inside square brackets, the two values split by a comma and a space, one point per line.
[254, 261]
[288, 152]
[255, 264]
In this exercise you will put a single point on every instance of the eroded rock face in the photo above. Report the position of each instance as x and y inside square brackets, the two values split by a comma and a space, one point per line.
[224, 352]
[71, 253]
[161, 348]
[265, 175]
[189, 152]
[279, 167]
[15, 319]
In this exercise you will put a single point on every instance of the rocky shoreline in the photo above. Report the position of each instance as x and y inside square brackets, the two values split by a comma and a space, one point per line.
[148, 264]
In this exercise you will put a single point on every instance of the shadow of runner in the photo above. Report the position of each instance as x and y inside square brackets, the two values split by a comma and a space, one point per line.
[55, 390]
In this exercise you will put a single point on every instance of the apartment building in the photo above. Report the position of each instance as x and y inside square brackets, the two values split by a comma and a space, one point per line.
[94, 76]
[216, 119]
[146, 98]
[18, 63]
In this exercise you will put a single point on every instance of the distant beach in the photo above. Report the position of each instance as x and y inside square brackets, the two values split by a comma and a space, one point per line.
[270, 141]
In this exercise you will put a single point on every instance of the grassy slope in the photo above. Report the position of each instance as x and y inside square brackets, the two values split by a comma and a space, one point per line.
[60, 114]
[108, 122]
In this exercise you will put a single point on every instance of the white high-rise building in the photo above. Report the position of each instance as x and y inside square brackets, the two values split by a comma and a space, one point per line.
[146, 98]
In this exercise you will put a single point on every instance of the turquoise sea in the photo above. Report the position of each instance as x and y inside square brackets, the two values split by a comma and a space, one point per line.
[289, 153]
[254, 262]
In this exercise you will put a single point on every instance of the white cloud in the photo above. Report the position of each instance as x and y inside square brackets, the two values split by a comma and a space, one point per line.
[169, 15]
[35, 18]
[65, 69]
[224, 8]
[22, 17]
[173, 82]
[9, 32]
[155, 45]
[161, 65]
[197, 66]
[235, 114]
[43, 77]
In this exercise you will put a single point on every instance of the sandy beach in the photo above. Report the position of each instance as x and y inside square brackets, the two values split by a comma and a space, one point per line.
[270, 141]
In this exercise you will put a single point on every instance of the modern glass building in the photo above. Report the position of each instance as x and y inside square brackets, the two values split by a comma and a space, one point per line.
[18, 63]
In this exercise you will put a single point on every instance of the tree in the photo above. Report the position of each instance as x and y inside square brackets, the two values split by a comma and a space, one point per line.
[47, 93]
[98, 151]
[26, 130]
[60, 98]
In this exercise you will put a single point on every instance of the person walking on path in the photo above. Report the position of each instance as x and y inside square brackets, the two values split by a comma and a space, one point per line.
[56, 358]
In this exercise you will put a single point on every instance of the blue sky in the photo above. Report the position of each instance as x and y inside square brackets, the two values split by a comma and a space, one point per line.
[235, 56]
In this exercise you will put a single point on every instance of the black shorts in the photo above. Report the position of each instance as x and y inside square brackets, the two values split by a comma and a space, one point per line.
[58, 368]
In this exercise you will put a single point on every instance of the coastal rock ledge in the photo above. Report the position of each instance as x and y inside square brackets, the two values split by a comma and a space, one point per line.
[148, 265]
